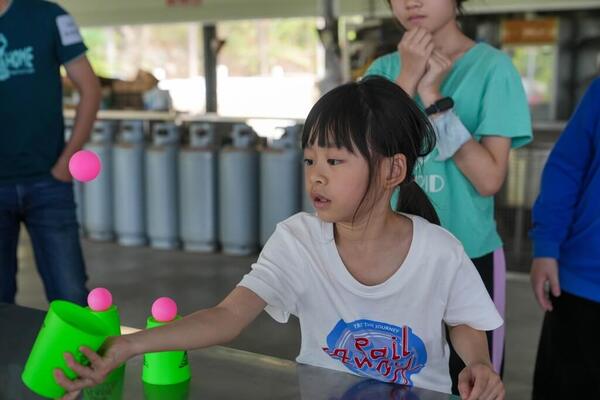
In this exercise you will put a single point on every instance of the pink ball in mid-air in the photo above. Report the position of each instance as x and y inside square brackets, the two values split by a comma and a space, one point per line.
[99, 299]
[164, 309]
[85, 165]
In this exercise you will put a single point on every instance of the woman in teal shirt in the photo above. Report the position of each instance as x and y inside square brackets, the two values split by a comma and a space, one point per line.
[436, 62]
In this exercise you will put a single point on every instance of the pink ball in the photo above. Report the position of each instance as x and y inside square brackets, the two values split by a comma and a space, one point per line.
[85, 165]
[99, 299]
[164, 309]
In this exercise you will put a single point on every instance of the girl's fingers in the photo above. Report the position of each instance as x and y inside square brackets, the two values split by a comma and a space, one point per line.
[79, 369]
[69, 385]
[429, 49]
[70, 396]
[442, 57]
[464, 384]
[498, 392]
[91, 355]
[491, 390]
[478, 388]
[442, 61]
[408, 35]
[425, 40]
[418, 36]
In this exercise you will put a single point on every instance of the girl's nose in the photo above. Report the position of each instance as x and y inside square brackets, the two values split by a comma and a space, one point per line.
[410, 4]
[317, 177]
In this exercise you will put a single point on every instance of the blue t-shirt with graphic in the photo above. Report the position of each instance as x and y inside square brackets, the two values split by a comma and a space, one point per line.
[36, 38]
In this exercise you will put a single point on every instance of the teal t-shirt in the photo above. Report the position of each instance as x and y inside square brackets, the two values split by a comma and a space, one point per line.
[36, 38]
[490, 100]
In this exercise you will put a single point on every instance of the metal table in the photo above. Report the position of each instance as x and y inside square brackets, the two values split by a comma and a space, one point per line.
[217, 373]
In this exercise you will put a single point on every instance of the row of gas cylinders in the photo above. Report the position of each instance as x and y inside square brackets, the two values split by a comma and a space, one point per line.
[199, 195]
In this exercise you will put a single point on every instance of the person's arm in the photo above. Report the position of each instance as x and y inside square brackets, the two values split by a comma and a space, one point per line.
[469, 313]
[213, 326]
[478, 379]
[86, 82]
[561, 184]
[484, 163]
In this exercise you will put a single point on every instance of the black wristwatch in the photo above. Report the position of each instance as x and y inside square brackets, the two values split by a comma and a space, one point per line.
[441, 105]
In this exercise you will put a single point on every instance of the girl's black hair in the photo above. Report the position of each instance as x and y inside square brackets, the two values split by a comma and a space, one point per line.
[377, 118]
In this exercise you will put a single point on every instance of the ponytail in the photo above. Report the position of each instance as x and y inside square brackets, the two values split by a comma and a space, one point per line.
[413, 200]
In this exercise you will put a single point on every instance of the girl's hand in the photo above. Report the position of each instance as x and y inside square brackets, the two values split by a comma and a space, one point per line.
[415, 49]
[438, 66]
[115, 351]
[479, 382]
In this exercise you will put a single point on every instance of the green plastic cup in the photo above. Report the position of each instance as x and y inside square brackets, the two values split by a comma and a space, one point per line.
[112, 387]
[66, 328]
[179, 391]
[111, 318]
[165, 367]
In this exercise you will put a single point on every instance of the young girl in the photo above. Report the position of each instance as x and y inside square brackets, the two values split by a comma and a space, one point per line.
[373, 288]
[438, 65]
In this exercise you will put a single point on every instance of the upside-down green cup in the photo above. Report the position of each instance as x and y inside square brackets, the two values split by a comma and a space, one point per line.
[110, 318]
[178, 391]
[66, 328]
[112, 387]
[165, 367]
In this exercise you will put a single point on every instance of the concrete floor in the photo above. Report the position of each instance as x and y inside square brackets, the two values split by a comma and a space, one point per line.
[137, 276]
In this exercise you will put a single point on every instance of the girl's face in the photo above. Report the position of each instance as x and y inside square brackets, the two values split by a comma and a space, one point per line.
[336, 181]
[429, 14]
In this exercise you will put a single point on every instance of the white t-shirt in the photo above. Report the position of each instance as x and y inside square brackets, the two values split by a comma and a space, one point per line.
[393, 331]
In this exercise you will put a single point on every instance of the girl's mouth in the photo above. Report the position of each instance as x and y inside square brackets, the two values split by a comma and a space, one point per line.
[320, 202]
[416, 18]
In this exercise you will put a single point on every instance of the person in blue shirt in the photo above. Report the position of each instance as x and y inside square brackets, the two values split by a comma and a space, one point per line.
[37, 38]
[565, 275]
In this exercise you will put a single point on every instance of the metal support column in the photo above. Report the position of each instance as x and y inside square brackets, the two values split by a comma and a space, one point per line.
[210, 66]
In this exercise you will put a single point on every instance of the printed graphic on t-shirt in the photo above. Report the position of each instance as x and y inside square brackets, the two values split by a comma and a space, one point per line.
[377, 350]
[15, 61]
[430, 183]
[68, 30]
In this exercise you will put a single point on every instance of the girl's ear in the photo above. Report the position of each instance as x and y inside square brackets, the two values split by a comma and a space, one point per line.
[396, 170]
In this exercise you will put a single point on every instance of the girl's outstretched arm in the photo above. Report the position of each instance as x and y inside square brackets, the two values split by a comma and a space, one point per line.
[204, 328]
[478, 380]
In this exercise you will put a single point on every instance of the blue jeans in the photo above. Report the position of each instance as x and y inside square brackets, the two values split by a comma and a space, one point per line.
[47, 209]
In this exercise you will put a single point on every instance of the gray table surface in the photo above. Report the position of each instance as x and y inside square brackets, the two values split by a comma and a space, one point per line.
[217, 373]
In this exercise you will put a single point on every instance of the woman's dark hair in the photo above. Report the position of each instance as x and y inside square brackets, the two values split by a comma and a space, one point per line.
[377, 118]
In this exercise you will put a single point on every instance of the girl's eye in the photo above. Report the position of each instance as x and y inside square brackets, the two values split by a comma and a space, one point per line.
[332, 161]
[308, 161]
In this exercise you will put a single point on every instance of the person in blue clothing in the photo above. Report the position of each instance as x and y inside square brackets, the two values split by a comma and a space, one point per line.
[565, 274]
[36, 39]
[475, 98]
